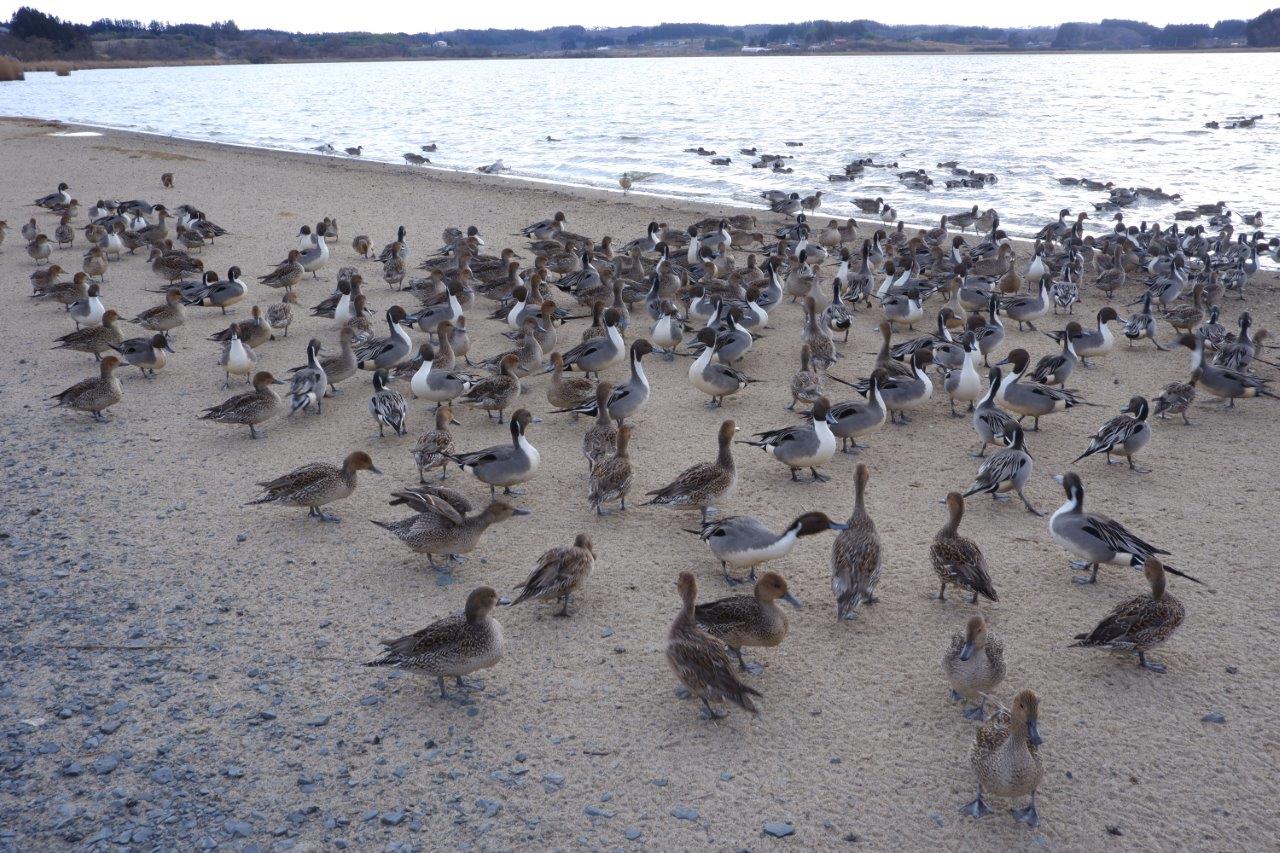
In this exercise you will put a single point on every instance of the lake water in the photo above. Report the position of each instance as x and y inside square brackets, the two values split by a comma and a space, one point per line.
[1132, 119]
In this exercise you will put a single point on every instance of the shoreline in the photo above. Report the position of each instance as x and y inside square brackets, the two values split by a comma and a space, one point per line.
[204, 658]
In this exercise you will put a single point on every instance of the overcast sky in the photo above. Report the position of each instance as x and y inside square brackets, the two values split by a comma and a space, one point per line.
[401, 16]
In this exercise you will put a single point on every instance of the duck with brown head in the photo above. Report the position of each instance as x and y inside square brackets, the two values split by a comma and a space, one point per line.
[749, 620]
[1006, 758]
[1141, 622]
[704, 485]
[701, 661]
[316, 485]
[957, 560]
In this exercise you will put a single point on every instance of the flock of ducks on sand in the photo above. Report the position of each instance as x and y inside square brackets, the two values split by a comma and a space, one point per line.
[686, 292]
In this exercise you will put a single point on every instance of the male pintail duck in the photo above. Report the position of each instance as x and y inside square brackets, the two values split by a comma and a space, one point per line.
[1006, 471]
[237, 357]
[594, 355]
[252, 408]
[990, 422]
[1097, 538]
[1091, 343]
[958, 560]
[504, 465]
[57, 197]
[1138, 624]
[1025, 309]
[559, 573]
[88, 311]
[455, 646]
[385, 353]
[1142, 324]
[94, 340]
[220, 294]
[804, 445]
[96, 394]
[434, 445]
[963, 383]
[438, 527]
[974, 664]
[601, 437]
[701, 661]
[856, 417]
[903, 393]
[856, 555]
[749, 620]
[711, 377]
[611, 477]
[1031, 399]
[146, 354]
[1222, 382]
[1125, 434]
[495, 393]
[1006, 758]
[163, 318]
[705, 485]
[387, 405]
[1055, 368]
[439, 385]
[309, 383]
[743, 542]
[316, 485]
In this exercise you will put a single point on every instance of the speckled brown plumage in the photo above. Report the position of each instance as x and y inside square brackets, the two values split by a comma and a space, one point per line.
[958, 560]
[700, 661]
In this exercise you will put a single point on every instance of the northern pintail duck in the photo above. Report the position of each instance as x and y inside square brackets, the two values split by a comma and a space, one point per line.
[856, 554]
[1141, 622]
[279, 315]
[628, 398]
[237, 357]
[163, 318]
[957, 560]
[558, 574]
[387, 406]
[705, 485]
[59, 196]
[743, 542]
[710, 376]
[1031, 399]
[504, 465]
[1006, 471]
[701, 661]
[314, 250]
[594, 355]
[806, 384]
[173, 266]
[434, 445]
[254, 332]
[855, 418]
[749, 620]
[439, 385]
[94, 264]
[1222, 382]
[147, 354]
[40, 248]
[610, 478]
[1142, 324]
[601, 438]
[567, 393]
[455, 646]
[343, 365]
[1006, 758]
[95, 394]
[1096, 538]
[94, 340]
[252, 408]
[380, 353]
[974, 664]
[310, 383]
[901, 394]
[802, 446]
[1091, 343]
[545, 229]
[1125, 434]
[990, 422]
[89, 310]
[1056, 368]
[1175, 399]
[287, 273]
[495, 393]
[45, 284]
[963, 383]
[439, 527]
[1025, 309]
[316, 485]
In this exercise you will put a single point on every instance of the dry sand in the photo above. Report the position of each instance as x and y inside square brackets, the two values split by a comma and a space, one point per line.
[245, 711]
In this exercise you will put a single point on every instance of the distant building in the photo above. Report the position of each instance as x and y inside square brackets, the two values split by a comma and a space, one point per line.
[440, 43]
[749, 49]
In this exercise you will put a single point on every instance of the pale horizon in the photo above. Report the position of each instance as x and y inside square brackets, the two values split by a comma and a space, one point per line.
[381, 16]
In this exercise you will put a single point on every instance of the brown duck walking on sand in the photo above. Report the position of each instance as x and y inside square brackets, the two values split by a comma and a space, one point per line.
[434, 446]
[559, 573]
[700, 661]
[611, 477]
[316, 484]
[454, 646]
[1005, 757]
[438, 527]
[974, 664]
[706, 484]
[856, 555]
[749, 620]
[95, 394]
[958, 560]
[1142, 622]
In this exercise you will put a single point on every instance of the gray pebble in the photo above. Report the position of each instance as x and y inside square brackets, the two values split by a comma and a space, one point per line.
[1214, 717]
[684, 813]
[778, 829]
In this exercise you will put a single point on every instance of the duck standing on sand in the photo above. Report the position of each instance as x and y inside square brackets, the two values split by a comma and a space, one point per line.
[559, 573]
[958, 560]
[856, 554]
[255, 407]
[749, 620]
[316, 485]
[611, 477]
[1006, 758]
[455, 646]
[744, 542]
[705, 485]
[974, 664]
[440, 527]
[802, 446]
[434, 445]
[1141, 622]
[96, 394]
[700, 661]
[1125, 434]
[1006, 471]
[387, 405]
[504, 465]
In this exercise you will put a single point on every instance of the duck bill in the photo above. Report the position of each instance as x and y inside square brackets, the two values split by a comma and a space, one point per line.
[835, 525]
[793, 601]
[1033, 733]
[521, 511]
[967, 651]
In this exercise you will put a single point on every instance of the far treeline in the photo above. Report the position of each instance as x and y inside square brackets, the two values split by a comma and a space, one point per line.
[32, 35]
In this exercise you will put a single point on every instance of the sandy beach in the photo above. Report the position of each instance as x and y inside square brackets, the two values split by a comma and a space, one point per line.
[181, 667]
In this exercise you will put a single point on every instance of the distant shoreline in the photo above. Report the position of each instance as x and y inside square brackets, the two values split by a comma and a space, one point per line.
[50, 65]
